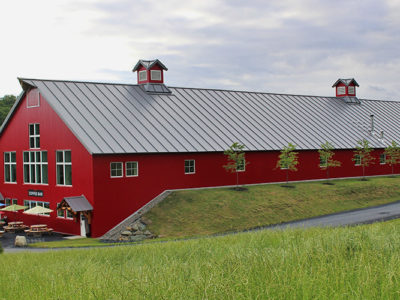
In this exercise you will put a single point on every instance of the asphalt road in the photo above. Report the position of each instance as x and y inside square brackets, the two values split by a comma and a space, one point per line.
[348, 218]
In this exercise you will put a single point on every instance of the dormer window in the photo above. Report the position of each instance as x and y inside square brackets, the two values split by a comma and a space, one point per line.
[155, 75]
[143, 75]
[341, 90]
[351, 89]
[34, 136]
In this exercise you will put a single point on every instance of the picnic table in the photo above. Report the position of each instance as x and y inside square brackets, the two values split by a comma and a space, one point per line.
[15, 226]
[38, 230]
[1, 232]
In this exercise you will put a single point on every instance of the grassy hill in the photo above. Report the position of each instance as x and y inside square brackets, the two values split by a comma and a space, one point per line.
[209, 211]
[341, 263]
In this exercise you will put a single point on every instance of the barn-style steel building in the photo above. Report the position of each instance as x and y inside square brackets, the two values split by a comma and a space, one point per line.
[95, 153]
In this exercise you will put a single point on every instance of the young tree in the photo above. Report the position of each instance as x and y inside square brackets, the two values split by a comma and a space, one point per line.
[326, 160]
[236, 160]
[362, 155]
[288, 160]
[392, 153]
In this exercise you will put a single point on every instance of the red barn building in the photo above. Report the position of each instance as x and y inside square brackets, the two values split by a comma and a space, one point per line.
[95, 153]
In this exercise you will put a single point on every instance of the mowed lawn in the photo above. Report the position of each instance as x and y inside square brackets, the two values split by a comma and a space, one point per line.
[320, 263]
[209, 211]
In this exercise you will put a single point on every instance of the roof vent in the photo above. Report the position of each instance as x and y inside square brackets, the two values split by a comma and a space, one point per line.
[346, 89]
[150, 74]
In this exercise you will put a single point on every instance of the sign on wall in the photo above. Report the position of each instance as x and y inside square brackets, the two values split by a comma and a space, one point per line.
[35, 193]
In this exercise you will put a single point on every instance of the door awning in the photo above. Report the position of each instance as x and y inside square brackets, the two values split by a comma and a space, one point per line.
[76, 203]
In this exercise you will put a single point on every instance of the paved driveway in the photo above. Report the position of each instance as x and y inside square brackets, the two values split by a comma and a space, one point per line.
[354, 217]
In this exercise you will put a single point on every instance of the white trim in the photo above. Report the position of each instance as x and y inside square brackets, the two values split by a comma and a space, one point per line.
[35, 163]
[155, 75]
[122, 169]
[140, 75]
[10, 163]
[194, 166]
[32, 106]
[34, 136]
[382, 163]
[126, 169]
[63, 164]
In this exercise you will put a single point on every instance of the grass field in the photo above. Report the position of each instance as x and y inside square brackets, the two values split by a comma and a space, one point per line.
[342, 263]
[209, 211]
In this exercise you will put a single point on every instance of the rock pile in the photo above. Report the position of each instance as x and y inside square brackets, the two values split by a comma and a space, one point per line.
[137, 231]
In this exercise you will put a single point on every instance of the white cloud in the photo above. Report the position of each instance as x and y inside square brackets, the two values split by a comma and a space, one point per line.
[289, 46]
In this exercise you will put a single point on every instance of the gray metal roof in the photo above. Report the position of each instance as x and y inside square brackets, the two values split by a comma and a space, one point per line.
[78, 203]
[123, 118]
[148, 64]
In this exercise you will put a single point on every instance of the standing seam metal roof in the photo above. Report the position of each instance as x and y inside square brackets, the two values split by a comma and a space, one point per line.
[123, 118]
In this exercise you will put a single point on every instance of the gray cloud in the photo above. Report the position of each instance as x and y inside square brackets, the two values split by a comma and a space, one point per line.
[288, 46]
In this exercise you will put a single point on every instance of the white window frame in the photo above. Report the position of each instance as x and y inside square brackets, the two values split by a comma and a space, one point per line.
[323, 163]
[243, 164]
[383, 155]
[32, 203]
[111, 169]
[189, 167]
[357, 160]
[127, 168]
[65, 214]
[34, 165]
[10, 165]
[63, 165]
[35, 137]
[351, 89]
[141, 77]
[29, 96]
[155, 75]
[341, 90]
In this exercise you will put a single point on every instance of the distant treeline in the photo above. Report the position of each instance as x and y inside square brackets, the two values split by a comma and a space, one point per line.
[6, 103]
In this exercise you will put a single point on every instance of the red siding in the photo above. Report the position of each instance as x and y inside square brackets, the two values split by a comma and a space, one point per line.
[155, 67]
[117, 198]
[54, 135]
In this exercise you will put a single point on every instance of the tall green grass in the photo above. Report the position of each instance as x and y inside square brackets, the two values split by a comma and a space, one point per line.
[342, 263]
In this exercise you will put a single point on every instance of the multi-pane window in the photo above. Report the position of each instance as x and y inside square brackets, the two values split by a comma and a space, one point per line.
[10, 167]
[142, 75]
[64, 167]
[190, 166]
[9, 201]
[64, 213]
[357, 160]
[34, 136]
[32, 203]
[35, 167]
[155, 75]
[382, 159]
[241, 165]
[131, 168]
[116, 169]
[322, 162]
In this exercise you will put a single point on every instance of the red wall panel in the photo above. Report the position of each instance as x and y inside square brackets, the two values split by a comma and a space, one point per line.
[54, 135]
[117, 198]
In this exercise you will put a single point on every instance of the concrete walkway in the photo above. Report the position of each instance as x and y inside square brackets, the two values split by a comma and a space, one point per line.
[348, 218]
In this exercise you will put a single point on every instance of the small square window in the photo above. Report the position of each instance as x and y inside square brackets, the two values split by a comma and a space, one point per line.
[241, 165]
[322, 162]
[116, 169]
[382, 159]
[190, 166]
[155, 75]
[132, 168]
[142, 75]
[357, 160]
[341, 90]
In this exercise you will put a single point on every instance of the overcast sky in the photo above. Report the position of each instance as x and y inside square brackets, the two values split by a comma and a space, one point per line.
[285, 46]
